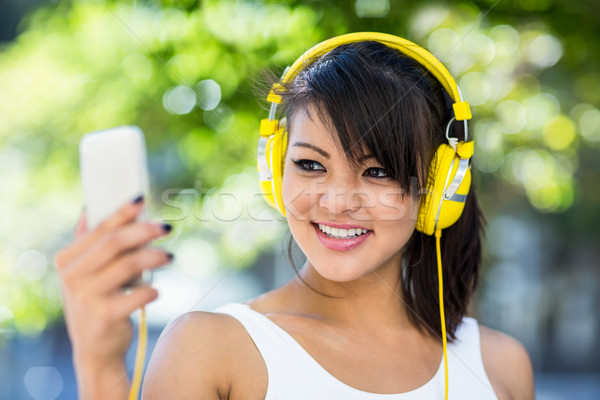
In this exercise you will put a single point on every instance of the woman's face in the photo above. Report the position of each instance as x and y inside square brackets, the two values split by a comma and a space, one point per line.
[321, 188]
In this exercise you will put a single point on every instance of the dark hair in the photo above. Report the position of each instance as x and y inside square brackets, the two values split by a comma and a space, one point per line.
[374, 98]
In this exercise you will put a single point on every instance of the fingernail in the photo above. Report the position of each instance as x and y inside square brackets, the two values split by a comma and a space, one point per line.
[138, 199]
[167, 227]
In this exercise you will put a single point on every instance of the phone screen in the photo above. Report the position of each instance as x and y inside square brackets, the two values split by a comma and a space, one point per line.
[113, 171]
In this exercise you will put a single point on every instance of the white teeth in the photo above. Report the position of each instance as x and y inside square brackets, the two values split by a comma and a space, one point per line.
[339, 233]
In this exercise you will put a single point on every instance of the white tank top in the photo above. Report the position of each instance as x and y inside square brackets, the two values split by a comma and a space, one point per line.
[293, 374]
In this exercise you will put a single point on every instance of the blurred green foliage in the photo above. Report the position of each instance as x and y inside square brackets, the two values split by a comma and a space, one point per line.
[186, 72]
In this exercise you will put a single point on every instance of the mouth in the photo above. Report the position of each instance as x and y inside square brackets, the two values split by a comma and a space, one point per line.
[342, 237]
[341, 233]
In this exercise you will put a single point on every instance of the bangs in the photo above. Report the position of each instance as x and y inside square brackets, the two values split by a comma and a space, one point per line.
[369, 97]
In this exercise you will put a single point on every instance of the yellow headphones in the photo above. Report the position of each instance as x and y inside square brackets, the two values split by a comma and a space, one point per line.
[449, 177]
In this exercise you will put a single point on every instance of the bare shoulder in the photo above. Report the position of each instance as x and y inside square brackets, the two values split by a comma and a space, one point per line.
[194, 358]
[507, 364]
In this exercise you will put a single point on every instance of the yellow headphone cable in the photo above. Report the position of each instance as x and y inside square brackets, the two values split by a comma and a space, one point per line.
[438, 236]
[140, 357]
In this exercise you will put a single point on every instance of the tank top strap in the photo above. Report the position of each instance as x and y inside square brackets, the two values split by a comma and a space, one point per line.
[277, 348]
[268, 341]
[466, 370]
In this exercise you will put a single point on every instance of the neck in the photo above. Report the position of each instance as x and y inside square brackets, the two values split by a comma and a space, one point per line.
[374, 300]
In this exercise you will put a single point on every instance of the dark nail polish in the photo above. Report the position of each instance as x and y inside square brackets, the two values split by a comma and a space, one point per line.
[167, 227]
[170, 256]
[138, 199]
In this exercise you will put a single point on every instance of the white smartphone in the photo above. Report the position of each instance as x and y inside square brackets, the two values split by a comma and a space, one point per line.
[114, 171]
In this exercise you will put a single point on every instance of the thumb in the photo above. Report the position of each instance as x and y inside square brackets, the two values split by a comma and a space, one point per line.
[81, 228]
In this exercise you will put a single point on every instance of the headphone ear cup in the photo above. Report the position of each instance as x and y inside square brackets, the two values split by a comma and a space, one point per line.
[451, 210]
[441, 173]
[276, 161]
[266, 187]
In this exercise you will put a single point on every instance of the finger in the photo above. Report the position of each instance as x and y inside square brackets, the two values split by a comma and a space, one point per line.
[62, 257]
[128, 266]
[122, 216]
[127, 213]
[113, 244]
[121, 305]
[81, 228]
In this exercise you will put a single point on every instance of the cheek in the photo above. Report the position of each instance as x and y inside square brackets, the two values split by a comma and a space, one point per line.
[397, 220]
[296, 197]
[394, 207]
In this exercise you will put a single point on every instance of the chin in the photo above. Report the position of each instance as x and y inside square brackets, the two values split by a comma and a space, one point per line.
[340, 270]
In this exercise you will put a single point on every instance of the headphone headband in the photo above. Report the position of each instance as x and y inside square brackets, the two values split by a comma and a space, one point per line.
[461, 108]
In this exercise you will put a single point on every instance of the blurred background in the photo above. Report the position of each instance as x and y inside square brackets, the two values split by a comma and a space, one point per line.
[187, 71]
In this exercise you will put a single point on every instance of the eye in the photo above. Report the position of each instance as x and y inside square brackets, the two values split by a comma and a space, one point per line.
[376, 173]
[308, 165]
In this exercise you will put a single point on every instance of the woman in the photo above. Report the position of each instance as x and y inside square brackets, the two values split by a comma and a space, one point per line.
[361, 319]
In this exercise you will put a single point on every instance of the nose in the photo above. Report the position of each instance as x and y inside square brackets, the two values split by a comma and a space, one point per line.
[341, 198]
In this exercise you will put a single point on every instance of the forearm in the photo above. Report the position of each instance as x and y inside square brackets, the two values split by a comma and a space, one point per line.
[102, 383]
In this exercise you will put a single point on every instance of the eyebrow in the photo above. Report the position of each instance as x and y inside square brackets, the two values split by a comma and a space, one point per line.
[326, 154]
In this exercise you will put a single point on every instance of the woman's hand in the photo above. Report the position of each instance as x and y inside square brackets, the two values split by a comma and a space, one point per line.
[92, 271]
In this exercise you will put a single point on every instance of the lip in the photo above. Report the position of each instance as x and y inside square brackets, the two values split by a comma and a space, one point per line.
[340, 244]
[340, 226]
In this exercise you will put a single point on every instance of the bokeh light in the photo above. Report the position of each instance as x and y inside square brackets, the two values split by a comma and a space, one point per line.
[541, 107]
[371, 8]
[589, 125]
[477, 87]
[559, 133]
[32, 265]
[209, 94]
[179, 100]
[43, 383]
[506, 40]
[544, 51]
[513, 116]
